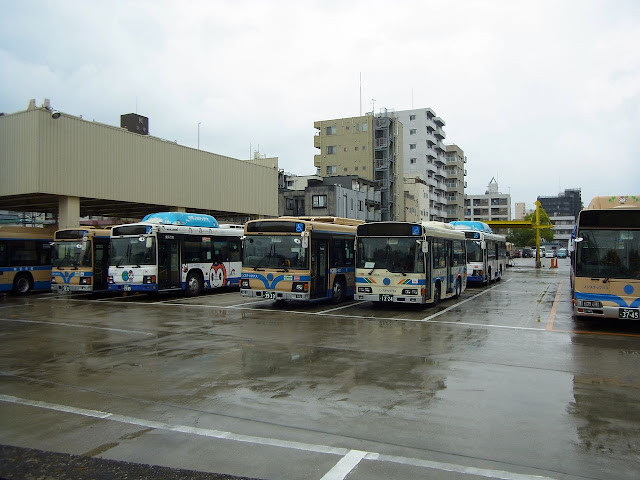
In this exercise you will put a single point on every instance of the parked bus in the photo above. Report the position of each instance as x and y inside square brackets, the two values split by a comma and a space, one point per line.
[25, 259]
[174, 251]
[80, 260]
[299, 258]
[419, 263]
[486, 252]
[605, 259]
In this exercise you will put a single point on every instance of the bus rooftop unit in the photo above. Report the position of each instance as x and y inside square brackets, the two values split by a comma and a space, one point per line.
[174, 251]
[605, 259]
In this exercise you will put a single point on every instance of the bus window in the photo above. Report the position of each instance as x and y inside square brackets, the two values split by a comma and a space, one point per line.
[439, 260]
[458, 253]
[235, 253]
[4, 255]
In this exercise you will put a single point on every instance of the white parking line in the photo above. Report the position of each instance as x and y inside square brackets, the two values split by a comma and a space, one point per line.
[425, 319]
[72, 325]
[350, 459]
[345, 465]
[340, 308]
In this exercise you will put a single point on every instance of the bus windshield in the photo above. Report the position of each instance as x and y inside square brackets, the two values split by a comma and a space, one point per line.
[474, 252]
[71, 254]
[396, 254]
[133, 251]
[609, 254]
[274, 251]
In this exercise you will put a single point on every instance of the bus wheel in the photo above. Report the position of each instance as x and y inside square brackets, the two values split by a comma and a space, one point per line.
[194, 285]
[22, 284]
[338, 290]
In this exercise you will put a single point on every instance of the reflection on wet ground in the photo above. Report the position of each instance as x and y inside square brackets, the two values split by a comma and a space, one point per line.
[501, 380]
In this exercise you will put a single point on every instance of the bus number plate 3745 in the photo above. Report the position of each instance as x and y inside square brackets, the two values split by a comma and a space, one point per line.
[629, 313]
[386, 298]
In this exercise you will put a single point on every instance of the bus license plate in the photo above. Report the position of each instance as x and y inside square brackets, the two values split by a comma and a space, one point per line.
[66, 288]
[386, 298]
[127, 288]
[269, 295]
[629, 313]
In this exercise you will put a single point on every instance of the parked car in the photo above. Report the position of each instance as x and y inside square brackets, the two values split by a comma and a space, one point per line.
[562, 253]
[549, 254]
[527, 253]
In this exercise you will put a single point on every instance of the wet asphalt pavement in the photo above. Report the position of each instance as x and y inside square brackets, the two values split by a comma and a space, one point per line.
[500, 383]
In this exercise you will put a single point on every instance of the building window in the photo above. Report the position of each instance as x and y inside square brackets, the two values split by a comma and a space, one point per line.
[364, 168]
[413, 131]
[412, 146]
[289, 203]
[364, 127]
[413, 160]
[347, 128]
[331, 169]
[360, 205]
[331, 150]
[331, 130]
[352, 204]
[364, 147]
[345, 169]
[345, 149]
[319, 201]
[356, 149]
[412, 117]
[356, 169]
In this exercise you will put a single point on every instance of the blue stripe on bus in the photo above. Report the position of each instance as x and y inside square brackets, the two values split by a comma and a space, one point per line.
[134, 288]
[6, 287]
[278, 279]
[67, 276]
[342, 270]
[607, 298]
[24, 269]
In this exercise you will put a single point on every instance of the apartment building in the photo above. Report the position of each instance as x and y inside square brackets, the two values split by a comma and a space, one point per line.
[424, 155]
[340, 196]
[416, 192]
[370, 147]
[454, 182]
[493, 205]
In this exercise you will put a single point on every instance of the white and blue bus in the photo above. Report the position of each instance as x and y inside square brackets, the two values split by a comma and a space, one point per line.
[414, 263]
[175, 251]
[486, 251]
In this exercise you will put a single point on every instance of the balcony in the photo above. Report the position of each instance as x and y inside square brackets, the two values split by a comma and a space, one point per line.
[382, 122]
[439, 122]
[431, 153]
[439, 134]
[316, 141]
[431, 139]
[381, 143]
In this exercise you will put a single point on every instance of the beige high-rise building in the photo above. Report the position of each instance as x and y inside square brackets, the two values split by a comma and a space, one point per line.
[369, 147]
[454, 172]
[520, 211]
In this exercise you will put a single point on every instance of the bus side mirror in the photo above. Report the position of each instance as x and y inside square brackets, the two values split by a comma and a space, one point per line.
[425, 246]
[305, 240]
[149, 242]
[85, 244]
[483, 245]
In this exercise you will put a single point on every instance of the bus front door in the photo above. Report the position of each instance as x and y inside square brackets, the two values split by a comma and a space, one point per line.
[168, 262]
[449, 246]
[100, 263]
[319, 285]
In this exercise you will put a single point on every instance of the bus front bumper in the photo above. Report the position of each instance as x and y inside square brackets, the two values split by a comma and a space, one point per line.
[71, 288]
[274, 295]
[374, 297]
[608, 312]
[127, 287]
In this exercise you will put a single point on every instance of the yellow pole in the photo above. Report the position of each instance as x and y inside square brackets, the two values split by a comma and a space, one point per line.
[538, 262]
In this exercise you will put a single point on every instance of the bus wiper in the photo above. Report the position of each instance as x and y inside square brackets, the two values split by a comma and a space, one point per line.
[125, 254]
[260, 262]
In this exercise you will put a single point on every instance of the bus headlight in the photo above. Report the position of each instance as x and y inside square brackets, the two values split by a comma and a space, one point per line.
[589, 303]
[149, 279]
[85, 280]
[364, 290]
[53, 279]
[409, 291]
[244, 283]
[300, 287]
[110, 279]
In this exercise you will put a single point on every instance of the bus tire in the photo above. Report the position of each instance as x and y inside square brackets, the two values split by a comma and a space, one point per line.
[194, 284]
[22, 284]
[338, 290]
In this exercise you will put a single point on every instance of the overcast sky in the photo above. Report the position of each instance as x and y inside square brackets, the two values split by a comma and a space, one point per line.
[542, 95]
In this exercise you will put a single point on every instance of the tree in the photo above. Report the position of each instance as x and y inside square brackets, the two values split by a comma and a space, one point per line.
[524, 237]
